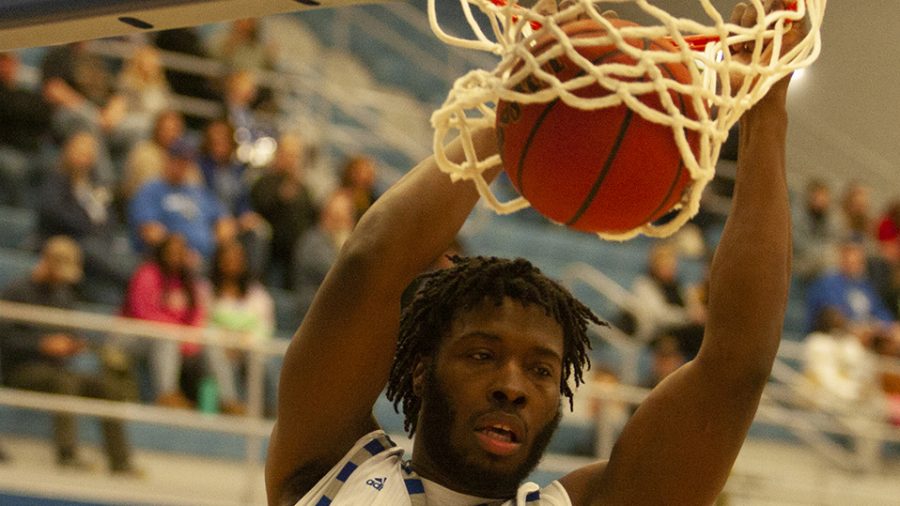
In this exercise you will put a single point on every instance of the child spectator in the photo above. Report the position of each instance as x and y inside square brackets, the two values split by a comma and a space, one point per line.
[164, 289]
[239, 304]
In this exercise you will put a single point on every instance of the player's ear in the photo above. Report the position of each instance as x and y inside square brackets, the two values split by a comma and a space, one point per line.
[418, 375]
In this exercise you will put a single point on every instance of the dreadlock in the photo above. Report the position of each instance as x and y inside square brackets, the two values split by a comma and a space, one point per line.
[443, 294]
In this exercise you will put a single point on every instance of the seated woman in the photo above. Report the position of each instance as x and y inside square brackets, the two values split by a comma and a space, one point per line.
[164, 289]
[239, 304]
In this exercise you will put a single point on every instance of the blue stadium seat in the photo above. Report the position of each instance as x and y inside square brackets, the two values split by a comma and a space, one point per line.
[17, 227]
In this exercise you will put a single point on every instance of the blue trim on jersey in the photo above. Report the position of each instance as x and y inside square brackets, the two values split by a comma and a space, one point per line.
[346, 471]
[324, 501]
[374, 447]
[533, 496]
[414, 486]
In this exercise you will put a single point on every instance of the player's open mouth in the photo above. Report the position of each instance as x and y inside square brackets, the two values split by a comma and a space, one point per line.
[499, 439]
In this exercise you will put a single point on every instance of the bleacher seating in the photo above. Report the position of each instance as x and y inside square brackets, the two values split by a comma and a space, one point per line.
[17, 227]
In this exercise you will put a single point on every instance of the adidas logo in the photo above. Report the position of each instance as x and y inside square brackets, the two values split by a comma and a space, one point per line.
[376, 483]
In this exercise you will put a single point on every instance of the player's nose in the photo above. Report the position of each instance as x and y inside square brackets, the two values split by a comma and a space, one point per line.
[508, 388]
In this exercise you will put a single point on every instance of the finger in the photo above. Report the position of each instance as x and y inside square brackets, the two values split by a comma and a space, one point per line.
[749, 17]
[748, 20]
[737, 14]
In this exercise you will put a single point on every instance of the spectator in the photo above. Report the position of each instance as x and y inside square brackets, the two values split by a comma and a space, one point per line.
[83, 71]
[241, 94]
[241, 47]
[816, 232]
[283, 199]
[73, 204]
[173, 204]
[318, 247]
[840, 376]
[187, 42]
[358, 180]
[839, 369]
[666, 358]
[239, 304]
[669, 307]
[849, 291]
[25, 117]
[228, 179]
[889, 231]
[143, 86]
[857, 215]
[38, 358]
[146, 160]
[891, 296]
[164, 289]
[80, 87]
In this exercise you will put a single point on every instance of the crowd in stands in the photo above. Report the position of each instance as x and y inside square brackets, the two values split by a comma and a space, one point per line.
[847, 272]
[165, 217]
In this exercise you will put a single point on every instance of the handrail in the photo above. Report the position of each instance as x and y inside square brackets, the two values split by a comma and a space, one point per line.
[120, 325]
[580, 272]
[805, 423]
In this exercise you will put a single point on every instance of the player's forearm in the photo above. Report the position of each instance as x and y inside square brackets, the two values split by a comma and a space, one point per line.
[750, 274]
[415, 221]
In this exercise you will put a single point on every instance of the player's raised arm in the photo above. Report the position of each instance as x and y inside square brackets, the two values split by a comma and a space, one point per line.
[339, 360]
[681, 443]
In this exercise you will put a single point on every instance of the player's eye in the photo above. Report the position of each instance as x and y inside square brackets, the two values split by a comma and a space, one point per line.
[543, 371]
[480, 355]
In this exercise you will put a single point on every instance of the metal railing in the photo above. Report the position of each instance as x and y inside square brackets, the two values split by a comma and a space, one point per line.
[809, 424]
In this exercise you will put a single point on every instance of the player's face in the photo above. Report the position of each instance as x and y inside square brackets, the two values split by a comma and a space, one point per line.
[491, 402]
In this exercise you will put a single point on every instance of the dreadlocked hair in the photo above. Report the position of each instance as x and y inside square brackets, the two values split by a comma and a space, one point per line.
[444, 294]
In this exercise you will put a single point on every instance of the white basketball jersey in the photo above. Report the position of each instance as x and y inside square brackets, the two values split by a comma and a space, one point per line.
[373, 473]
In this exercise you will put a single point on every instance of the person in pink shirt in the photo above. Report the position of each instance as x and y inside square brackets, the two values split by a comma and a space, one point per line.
[164, 289]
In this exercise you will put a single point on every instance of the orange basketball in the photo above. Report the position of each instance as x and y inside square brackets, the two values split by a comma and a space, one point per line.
[605, 170]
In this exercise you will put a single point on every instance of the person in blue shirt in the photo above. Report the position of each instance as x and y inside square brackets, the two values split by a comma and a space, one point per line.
[176, 203]
[849, 290]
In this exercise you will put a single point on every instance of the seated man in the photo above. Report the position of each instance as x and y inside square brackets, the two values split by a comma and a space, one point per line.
[36, 358]
[483, 358]
[175, 204]
[849, 290]
[74, 205]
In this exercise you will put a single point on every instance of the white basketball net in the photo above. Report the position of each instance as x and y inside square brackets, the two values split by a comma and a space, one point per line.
[718, 103]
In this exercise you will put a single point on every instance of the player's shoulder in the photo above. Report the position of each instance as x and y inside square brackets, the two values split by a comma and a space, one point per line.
[311, 485]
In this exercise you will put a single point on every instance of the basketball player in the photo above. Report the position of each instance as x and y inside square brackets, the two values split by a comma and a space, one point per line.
[481, 358]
